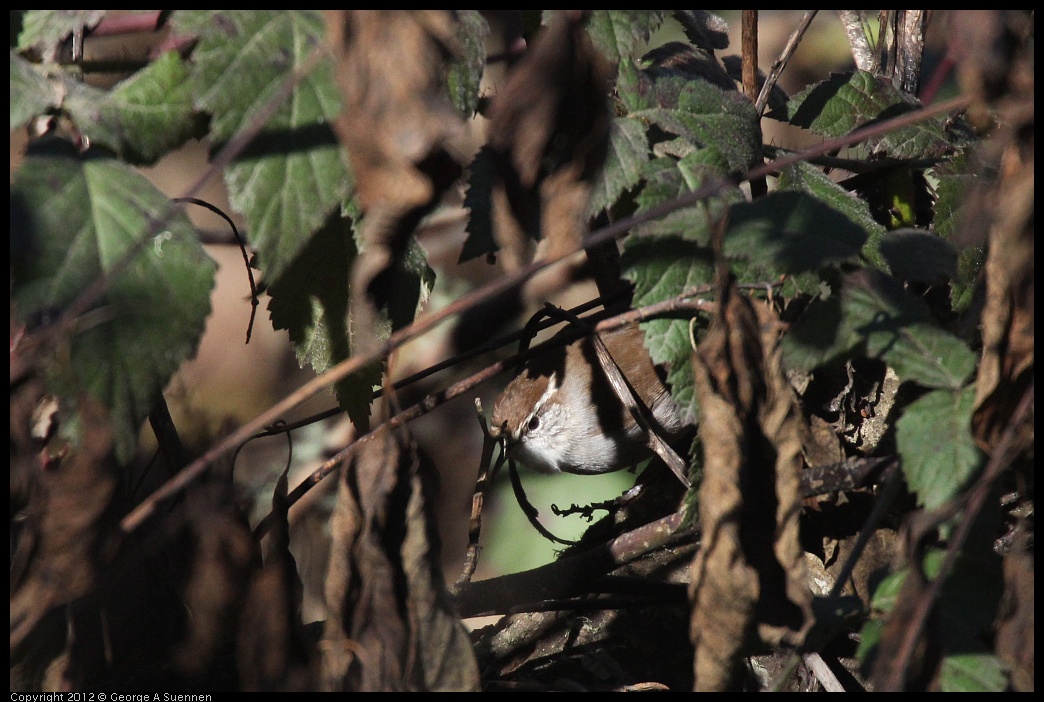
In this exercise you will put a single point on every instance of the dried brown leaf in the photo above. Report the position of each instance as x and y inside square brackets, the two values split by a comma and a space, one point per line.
[402, 135]
[391, 624]
[60, 546]
[749, 577]
[271, 649]
[549, 133]
[221, 566]
[1007, 320]
[1015, 626]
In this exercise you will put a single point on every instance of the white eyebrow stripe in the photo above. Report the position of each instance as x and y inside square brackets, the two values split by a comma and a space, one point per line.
[552, 387]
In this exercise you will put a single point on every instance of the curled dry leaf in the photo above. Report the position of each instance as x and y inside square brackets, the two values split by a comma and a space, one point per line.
[391, 624]
[272, 652]
[220, 570]
[60, 545]
[401, 133]
[549, 134]
[749, 577]
[1006, 369]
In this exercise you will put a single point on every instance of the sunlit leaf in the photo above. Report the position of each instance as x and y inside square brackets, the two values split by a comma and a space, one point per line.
[292, 176]
[847, 101]
[934, 438]
[43, 31]
[972, 672]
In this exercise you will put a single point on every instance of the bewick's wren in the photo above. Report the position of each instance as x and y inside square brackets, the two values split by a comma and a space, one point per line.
[561, 414]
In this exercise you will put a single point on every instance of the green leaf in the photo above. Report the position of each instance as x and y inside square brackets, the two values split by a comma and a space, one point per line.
[791, 233]
[666, 179]
[293, 176]
[847, 101]
[917, 255]
[972, 672]
[478, 201]
[32, 92]
[86, 214]
[618, 33]
[706, 115]
[141, 118]
[661, 267]
[465, 72]
[934, 438]
[877, 318]
[804, 177]
[964, 617]
[310, 301]
[628, 152]
[956, 180]
[43, 31]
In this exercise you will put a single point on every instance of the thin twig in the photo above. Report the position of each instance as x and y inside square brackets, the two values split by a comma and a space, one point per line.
[478, 499]
[781, 62]
[823, 674]
[242, 249]
[862, 53]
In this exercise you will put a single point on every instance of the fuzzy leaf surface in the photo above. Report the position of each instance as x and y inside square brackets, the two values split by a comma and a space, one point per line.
[88, 214]
[293, 175]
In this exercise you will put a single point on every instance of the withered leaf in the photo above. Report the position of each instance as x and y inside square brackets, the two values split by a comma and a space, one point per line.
[402, 135]
[1006, 369]
[59, 548]
[749, 577]
[390, 622]
[220, 570]
[271, 650]
[549, 134]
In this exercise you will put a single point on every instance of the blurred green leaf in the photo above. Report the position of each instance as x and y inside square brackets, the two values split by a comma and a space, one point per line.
[43, 31]
[972, 672]
[618, 33]
[141, 118]
[32, 91]
[292, 176]
[86, 215]
[934, 438]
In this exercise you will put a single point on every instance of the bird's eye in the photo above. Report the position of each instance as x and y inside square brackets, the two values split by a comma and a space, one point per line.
[534, 423]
